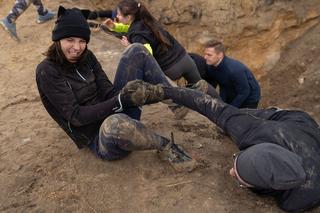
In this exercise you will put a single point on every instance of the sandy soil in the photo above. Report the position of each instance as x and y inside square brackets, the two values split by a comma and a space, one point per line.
[41, 170]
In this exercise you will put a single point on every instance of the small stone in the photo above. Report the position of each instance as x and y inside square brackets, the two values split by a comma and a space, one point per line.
[25, 140]
[301, 80]
[199, 146]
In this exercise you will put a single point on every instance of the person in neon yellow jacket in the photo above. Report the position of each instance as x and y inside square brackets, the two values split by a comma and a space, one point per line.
[142, 27]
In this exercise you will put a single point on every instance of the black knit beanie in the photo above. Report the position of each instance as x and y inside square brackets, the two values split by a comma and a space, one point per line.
[71, 23]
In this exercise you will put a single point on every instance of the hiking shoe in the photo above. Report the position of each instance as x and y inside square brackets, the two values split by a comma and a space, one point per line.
[10, 28]
[41, 19]
[177, 158]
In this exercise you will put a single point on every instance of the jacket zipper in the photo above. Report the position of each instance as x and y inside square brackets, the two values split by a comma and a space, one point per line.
[80, 74]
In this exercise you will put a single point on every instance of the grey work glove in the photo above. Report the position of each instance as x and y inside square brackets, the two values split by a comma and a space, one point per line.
[137, 93]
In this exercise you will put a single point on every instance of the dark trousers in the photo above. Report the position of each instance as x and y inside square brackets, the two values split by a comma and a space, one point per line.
[253, 105]
[21, 5]
[186, 68]
[235, 122]
[226, 116]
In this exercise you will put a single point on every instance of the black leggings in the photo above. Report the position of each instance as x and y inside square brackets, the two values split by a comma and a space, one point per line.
[186, 68]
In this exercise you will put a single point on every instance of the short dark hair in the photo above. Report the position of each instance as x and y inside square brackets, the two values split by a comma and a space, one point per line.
[217, 45]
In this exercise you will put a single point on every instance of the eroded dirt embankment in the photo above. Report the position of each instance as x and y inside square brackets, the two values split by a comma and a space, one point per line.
[41, 170]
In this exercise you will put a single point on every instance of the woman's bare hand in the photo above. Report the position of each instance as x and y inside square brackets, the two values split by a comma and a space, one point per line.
[124, 41]
[109, 23]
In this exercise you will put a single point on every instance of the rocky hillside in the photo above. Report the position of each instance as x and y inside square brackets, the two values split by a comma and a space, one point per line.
[277, 39]
[255, 31]
[294, 80]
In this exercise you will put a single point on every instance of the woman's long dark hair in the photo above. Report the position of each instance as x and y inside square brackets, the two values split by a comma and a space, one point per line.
[55, 54]
[140, 12]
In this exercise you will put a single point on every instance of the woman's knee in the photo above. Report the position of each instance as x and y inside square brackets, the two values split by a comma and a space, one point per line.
[135, 48]
[117, 125]
[109, 145]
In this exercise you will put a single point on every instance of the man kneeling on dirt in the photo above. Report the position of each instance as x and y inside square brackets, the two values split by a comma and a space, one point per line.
[279, 149]
[96, 114]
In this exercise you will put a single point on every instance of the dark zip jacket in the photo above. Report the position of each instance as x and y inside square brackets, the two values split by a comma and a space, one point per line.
[77, 96]
[139, 33]
[237, 84]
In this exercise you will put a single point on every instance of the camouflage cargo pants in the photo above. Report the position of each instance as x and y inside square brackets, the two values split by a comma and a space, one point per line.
[21, 5]
[122, 133]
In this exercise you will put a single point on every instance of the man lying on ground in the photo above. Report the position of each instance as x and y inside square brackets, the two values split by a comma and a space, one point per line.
[279, 149]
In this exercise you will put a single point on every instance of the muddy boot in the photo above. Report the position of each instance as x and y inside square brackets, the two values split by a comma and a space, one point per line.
[177, 158]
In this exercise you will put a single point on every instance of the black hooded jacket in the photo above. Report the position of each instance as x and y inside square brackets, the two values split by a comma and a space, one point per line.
[77, 96]
[300, 134]
[294, 131]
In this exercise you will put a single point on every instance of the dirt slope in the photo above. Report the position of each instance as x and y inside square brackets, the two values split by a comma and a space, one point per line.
[294, 80]
[41, 170]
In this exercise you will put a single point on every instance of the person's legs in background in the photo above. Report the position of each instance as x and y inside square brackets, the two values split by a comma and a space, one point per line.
[185, 68]
[20, 6]
[8, 22]
[43, 14]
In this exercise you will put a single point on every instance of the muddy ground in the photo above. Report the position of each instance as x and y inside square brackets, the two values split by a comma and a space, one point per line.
[41, 170]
